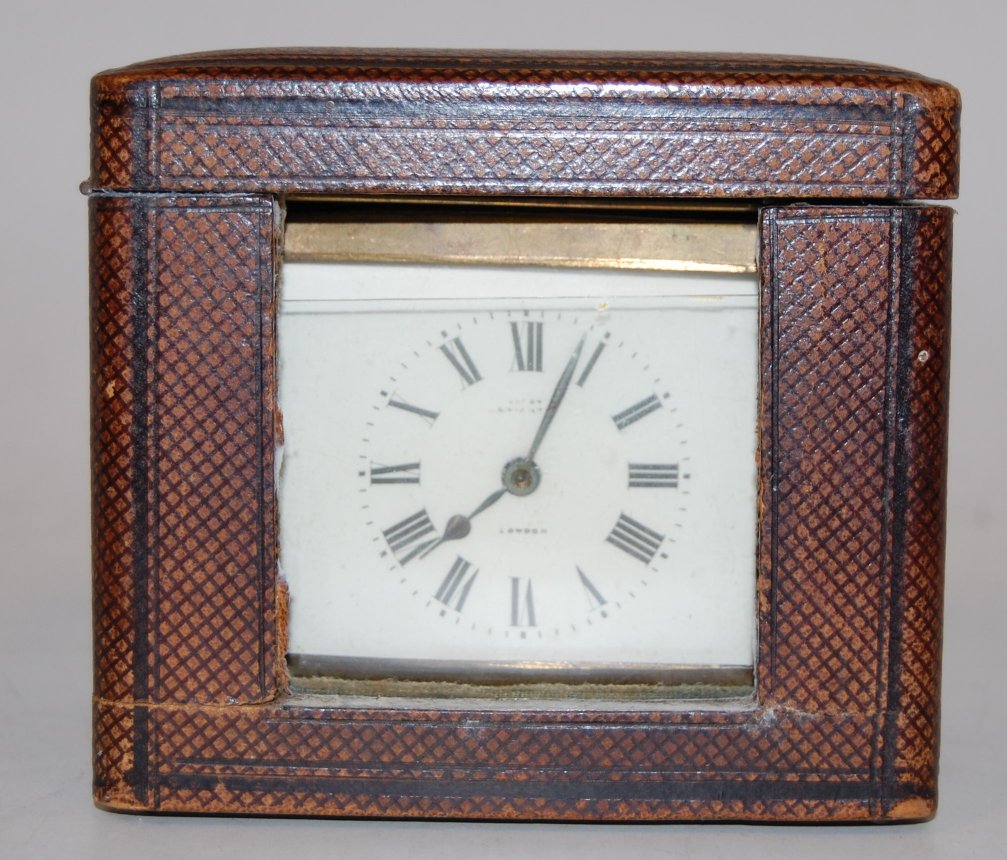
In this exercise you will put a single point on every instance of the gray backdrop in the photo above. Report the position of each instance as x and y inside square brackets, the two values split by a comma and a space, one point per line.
[49, 52]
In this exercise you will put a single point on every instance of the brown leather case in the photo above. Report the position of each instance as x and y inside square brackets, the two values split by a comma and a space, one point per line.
[192, 158]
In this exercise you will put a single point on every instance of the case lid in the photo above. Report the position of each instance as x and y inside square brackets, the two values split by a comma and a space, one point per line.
[627, 125]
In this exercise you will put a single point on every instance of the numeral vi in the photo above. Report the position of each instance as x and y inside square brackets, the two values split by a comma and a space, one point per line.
[522, 603]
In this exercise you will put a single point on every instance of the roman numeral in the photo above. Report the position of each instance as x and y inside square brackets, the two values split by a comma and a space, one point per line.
[522, 604]
[405, 538]
[404, 473]
[653, 475]
[461, 360]
[636, 412]
[416, 410]
[455, 588]
[586, 372]
[635, 538]
[594, 597]
[527, 347]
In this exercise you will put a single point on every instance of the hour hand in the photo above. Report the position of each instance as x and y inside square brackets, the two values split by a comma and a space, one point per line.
[460, 525]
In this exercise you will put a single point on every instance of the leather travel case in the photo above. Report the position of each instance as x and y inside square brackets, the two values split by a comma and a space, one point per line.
[192, 161]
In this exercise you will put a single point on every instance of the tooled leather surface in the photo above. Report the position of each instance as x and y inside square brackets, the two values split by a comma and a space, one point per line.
[914, 735]
[847, 290]
[183, 523]
[935, 151]
[828, 313]
[508, 764]
[664, 125]
[113, 465]
[211, 448]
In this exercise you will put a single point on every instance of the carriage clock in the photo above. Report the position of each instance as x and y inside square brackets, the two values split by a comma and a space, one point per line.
[509, 436]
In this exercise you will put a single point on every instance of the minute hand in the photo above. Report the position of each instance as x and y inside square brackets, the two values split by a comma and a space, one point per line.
[559, 392]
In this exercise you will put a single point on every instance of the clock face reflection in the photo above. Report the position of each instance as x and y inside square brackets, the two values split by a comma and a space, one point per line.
[514, 473]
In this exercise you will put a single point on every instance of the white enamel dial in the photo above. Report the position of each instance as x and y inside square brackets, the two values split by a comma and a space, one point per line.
[518, 466]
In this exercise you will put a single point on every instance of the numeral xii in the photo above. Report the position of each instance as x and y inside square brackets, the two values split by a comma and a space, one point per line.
[527, 339]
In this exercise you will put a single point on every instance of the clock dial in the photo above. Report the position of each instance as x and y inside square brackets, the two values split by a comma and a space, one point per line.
[510, 478]
[523, 470]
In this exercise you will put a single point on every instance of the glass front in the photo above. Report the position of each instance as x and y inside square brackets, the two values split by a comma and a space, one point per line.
[518, 473]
